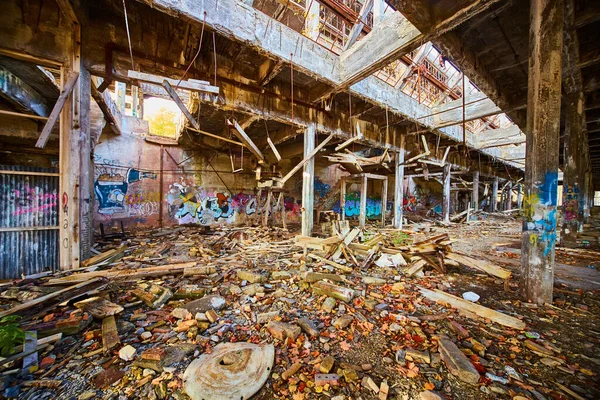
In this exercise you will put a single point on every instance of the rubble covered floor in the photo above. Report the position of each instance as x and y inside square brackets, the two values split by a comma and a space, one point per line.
[357, 325]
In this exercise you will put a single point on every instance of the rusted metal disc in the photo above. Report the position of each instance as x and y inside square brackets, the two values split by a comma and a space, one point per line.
[233, 371]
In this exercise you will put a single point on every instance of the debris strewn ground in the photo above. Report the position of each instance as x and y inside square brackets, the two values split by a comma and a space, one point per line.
[371, 314]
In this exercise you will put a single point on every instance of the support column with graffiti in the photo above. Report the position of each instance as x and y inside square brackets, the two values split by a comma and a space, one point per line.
[542, 148]
[574, 172]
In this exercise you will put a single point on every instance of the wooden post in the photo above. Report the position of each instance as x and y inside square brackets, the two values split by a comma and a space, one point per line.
[446, 194]
[267, 207]
[362, 217]
[160, 188]
[308, 182]
[542, 149]
[475, 196]
[343, 198]
[384, 190]
[73, 166]
[86, 167]
[399, 186]
[121, 96]
[494, 196]
[135, 99]
[574, 172]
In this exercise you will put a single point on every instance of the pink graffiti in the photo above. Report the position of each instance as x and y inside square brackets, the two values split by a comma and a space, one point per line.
[32, 200]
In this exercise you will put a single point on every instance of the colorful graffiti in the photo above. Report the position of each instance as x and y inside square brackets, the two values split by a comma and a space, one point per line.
[352, 206]
[321, 188]
[570, 202]
[539, 211]
[30, 200]
[191, 205]
[111, 194]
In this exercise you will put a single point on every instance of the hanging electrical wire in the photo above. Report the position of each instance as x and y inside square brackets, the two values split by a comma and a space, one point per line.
[128, 34]
[197, 53]
[215, 54]
[292, 82]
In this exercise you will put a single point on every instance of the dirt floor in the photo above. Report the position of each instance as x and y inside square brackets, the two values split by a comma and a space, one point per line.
[388, 334]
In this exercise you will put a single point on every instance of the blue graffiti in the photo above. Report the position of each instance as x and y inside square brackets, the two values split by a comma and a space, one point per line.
[548, 191]
[352, 206]
[321, 188]
[111, 189]
[542, 216]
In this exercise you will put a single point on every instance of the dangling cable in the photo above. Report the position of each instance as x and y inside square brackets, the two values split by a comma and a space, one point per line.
[197, 53]
[215, 53]
[292, 83]
[128, 35]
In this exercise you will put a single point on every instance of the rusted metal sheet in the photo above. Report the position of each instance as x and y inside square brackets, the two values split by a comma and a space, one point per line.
[28, 220]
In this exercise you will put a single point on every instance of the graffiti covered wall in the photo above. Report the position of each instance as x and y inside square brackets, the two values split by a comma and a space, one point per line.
[127, 187]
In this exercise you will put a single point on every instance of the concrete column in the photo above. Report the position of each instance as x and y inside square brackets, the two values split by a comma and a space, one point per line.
[399, 186]
[574, 170]
[475, 196]
[446, 194]
[494, 196]
[519, 196]
[308, 182]
[311, 23]
[362, 217]
[542, 149]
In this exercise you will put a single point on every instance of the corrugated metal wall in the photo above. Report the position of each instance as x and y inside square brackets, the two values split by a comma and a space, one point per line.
[28, 221]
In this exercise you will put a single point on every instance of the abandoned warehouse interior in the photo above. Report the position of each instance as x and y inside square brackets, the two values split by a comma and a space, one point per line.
[299, 199]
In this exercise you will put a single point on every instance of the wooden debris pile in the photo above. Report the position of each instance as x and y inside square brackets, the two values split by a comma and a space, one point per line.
[350, 251]
[185, 312]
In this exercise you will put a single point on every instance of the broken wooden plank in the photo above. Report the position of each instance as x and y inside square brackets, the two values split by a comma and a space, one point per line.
[173, 95]
[116, 274]
[305, 160]
[331, 290]
[416, 267]
[273, 148]
[98, 307]
[347, 143]
[56, 297]
[60, 103]
[30, 361]
[102, 99]
[212, 135]
[111, 255]
[245, 139]
[464, 305]
[341, 267]
[347, 240]
[480, 265]
[458, 364]
[198, 86]
[110, 334]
